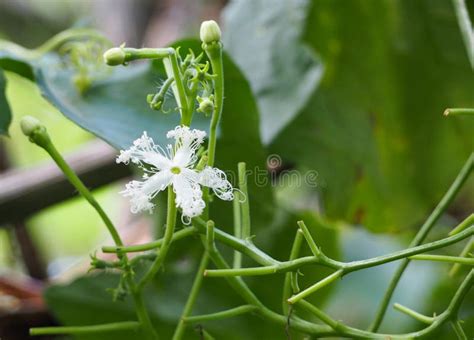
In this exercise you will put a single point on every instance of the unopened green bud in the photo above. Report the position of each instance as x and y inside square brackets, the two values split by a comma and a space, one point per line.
[206, 105]
[210, 32]
[115, 56]
[29, 124]
[36, 131]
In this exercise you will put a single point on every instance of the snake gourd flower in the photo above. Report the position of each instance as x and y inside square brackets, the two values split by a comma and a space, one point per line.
[175, 166]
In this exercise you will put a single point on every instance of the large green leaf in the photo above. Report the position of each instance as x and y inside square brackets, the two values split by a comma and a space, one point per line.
[374, 128]
[114, 109]
[264, 37]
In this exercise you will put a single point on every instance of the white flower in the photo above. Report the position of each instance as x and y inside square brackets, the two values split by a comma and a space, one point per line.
[172, 166]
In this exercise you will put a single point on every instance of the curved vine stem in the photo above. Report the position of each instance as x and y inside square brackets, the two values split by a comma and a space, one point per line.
[420, 236]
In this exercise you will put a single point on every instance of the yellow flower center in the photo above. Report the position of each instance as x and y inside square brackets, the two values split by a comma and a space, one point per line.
[175, 170]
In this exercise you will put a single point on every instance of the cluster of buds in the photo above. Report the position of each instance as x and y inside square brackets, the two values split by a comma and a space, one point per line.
[192, 72]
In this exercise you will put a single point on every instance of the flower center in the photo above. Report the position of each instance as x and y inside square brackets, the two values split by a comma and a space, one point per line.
[175, 170]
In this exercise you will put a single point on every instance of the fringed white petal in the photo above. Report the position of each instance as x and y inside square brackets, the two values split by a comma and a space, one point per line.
[217, 180]
[144, 150]
[188, 193]
[142, 192]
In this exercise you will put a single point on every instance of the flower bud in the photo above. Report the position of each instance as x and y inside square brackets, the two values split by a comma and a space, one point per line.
[36, 131]
[206, 105]
[210, 32]
[29, 124]
[114, 56]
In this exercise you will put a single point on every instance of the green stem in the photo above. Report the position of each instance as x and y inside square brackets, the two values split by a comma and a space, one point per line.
[243, 246]
[459, 112]
[465, 26]
[141, 310]
[178, 334]
[466, 223]
[214, 53]
[443, 258]
[449, 314]
[318, 285]
[179, 235]
[402, 254]
[244, 291]
[163, 251]
[180, 91]
[82, 189]
[237, 228]
[458, 330]
[245, 205]
[287, 287]
[115, 326]
[307, 235]
[222, 315]
[132, 54]
[464, 253]
[346, 267]
[415, 315]
[421, 235]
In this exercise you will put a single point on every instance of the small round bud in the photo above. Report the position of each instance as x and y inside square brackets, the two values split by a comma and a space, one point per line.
[114, 56]
[210, 32]
[206, 106]
[29, 124]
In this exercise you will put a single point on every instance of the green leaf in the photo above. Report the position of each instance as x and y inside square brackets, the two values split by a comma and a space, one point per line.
[374, 128]
[5, 113]
[264, 38]
[114, 109]
[10, 61]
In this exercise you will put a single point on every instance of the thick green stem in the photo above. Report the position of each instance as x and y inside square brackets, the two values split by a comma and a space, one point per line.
[421, 235]
[179, 235]
[245, 205]
[163, 251]
[459, 112]
[179, 89]
[82, 189]
[93, 329]
[179, 332]
[214, 53]
[237, 228]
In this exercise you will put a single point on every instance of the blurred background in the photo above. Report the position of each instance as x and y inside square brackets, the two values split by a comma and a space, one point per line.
[361, 102]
